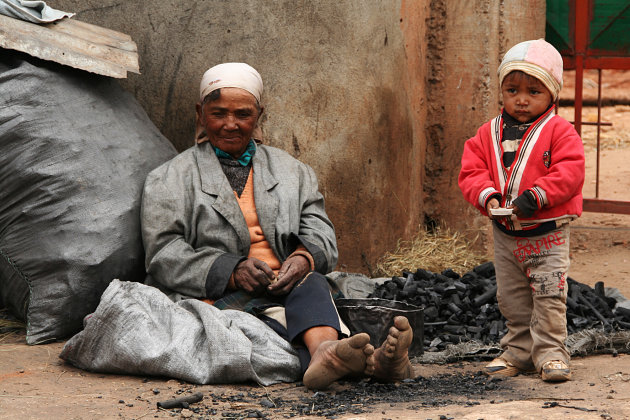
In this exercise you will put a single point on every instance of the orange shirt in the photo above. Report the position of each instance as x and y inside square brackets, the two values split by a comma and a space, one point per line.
[260, 247]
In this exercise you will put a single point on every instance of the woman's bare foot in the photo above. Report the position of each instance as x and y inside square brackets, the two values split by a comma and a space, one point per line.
[392, 358]
[337, 358]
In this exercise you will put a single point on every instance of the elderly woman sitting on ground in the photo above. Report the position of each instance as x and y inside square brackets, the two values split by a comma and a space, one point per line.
[242, 226]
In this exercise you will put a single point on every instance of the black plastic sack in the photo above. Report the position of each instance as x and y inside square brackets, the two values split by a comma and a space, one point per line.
[376, 316]
[75, 149]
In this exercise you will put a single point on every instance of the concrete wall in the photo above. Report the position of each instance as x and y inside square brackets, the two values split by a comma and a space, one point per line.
[467, 41]
[377, 96]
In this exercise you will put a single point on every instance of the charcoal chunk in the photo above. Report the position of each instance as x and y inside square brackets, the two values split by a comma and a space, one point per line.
[450, 274]
[485, 270]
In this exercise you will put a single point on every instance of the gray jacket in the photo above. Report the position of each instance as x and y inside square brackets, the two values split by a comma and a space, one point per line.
[194, 232]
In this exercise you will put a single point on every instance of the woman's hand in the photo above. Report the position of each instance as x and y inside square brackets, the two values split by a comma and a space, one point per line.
[253, 276]
[293, 270]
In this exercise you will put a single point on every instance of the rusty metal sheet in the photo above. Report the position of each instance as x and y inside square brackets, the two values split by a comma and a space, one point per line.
[73, 43]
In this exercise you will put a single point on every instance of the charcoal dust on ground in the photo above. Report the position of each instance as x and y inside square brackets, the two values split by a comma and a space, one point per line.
[353, 397]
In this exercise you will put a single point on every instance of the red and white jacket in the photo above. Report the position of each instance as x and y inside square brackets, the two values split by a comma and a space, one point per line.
[549, 162]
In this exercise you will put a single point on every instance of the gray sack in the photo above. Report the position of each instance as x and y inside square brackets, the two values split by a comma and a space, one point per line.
[137, 329]
[75, 149]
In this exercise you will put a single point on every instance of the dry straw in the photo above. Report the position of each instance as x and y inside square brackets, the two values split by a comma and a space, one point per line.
[6, 323]
[434, 250]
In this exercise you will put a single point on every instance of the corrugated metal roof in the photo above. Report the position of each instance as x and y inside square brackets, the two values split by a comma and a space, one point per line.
[73, 43]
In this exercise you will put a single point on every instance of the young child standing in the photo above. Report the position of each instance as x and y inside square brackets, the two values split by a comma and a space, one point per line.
[528, 162]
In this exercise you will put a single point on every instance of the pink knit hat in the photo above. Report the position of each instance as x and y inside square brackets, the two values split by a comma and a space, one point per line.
[539, 59]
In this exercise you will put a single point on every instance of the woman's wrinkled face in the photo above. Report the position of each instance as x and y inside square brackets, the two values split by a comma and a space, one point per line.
[230, 120]
[524, 96]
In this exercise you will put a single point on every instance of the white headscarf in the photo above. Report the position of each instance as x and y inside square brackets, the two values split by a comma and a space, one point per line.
[238, 75]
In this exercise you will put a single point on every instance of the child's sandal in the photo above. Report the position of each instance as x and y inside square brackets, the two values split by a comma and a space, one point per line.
[555, 371]
[502, 367]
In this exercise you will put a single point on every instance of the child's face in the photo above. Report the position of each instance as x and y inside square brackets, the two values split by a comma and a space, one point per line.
[524, 96]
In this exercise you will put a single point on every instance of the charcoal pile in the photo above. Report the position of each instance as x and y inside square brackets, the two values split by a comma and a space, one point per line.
[590, 308]
[458, 308]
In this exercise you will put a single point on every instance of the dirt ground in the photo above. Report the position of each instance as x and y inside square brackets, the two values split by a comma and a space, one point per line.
[36, 384]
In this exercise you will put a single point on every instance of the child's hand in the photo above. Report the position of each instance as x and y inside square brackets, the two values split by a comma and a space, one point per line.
[492, 204]
[515, 210]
